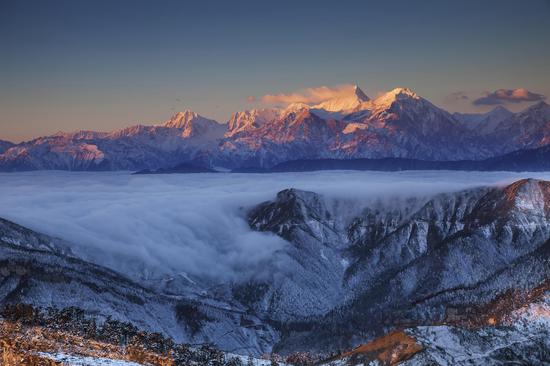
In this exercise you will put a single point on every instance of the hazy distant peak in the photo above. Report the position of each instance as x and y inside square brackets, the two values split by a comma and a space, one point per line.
[5, 145]
[500, 109]
[498, 113]
[537, 107]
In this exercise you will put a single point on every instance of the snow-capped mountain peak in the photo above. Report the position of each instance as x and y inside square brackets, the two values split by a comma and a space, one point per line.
[183, 119]
[484, 123]
[398, 123]
[250, 119]
[293, 107]
[396, 94]
[403, 91]
[345, 103]
[194, 124]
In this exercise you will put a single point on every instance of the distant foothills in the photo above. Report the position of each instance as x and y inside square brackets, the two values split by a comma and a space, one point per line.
[398, 130]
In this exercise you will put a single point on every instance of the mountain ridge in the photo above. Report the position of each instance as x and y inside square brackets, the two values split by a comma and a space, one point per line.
[518, 161]
[397, 124]
[343, 279]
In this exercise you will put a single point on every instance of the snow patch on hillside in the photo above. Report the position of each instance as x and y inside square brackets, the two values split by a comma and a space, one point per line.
[76, 360]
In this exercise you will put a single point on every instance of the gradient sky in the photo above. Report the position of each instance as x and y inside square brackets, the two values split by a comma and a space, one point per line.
[102, 65]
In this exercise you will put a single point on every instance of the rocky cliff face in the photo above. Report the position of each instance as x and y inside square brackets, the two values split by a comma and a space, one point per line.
[308, 273]
[416, 264]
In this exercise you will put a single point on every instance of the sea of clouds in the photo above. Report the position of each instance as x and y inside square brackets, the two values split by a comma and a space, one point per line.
[192, 223]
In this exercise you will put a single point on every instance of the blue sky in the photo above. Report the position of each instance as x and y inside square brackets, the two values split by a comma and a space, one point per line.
[69, 65]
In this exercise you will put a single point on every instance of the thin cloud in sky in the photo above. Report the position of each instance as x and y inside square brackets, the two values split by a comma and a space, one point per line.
[504, 96]
[459, 95]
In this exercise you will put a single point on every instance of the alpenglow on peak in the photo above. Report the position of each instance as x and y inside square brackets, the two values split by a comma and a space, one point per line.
[345, 103]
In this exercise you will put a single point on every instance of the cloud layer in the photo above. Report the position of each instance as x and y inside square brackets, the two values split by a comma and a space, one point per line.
[504, 96]
[310, 95]
[161, 225]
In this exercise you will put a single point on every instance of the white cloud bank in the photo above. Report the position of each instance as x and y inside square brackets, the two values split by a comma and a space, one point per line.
[190, 223]
[308, 95]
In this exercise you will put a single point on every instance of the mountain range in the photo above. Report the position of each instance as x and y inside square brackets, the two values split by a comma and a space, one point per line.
[520, 161]
[397, 124]
[462, 272]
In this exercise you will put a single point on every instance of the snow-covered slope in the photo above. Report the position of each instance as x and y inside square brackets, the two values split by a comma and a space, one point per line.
[20, 236]
[409, 262]
[526, 341]
[521, 339]
[78, 360]
[34, 271]
[305, 278]
[350, 271]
